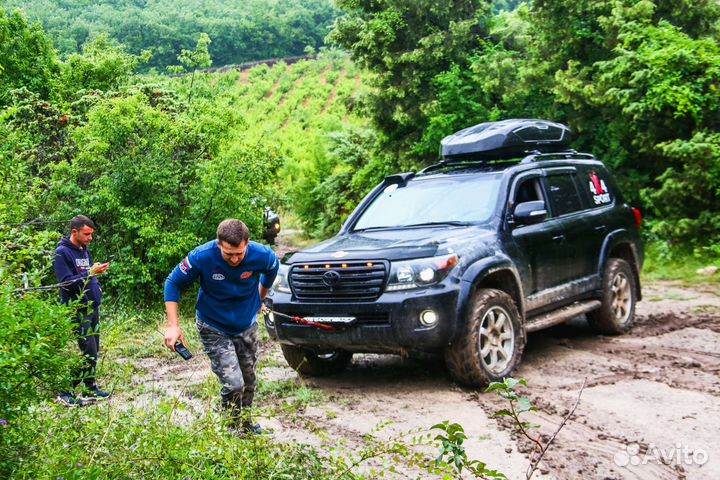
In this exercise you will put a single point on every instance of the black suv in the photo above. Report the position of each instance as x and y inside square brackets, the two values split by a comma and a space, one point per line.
[510, 233]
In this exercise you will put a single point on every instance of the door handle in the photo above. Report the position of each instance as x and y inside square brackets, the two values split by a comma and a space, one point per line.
[558, 238]
[600, 228]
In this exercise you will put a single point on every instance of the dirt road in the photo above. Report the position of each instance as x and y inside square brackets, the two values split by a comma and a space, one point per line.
[650, 408]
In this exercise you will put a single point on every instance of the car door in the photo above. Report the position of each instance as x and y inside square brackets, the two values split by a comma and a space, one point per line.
[541, 245]
[595, 187]
[568, 208]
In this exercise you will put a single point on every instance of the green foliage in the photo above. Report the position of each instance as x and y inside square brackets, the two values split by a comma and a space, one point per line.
[157, 183]
[688, 200]
[194, 59]
[242, 30]
[27, 58]
[305, 111]
[407, 44]
[150, 443]
[36, 352]
[452, 452]
[102, 66]
[329, 189]
[198, 58]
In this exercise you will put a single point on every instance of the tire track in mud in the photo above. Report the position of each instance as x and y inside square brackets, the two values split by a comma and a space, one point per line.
[674, 354]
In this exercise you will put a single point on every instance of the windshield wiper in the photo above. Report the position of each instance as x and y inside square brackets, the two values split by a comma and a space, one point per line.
[453, 223]
[414, 225]
[372, 229]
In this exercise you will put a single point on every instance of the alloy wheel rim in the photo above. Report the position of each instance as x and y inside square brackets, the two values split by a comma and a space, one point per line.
[496, 339]
[621, 298]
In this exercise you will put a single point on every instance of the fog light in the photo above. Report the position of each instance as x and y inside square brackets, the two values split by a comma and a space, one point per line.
[428, 318]
[270, 319]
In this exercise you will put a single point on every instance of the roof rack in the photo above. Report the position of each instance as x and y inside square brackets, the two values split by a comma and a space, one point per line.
[467, 163]
[567, 154]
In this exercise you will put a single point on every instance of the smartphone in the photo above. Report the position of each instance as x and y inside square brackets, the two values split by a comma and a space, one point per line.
[182, 350]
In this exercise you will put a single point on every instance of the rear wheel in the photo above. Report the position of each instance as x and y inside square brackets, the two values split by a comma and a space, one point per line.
[617, 312]
[311, 363]
[491, 343]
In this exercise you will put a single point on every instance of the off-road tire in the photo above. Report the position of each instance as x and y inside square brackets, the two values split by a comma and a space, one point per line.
[314, 364]
[616, 315]
[463, 358]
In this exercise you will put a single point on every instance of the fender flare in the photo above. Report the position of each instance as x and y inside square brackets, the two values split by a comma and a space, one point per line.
[612, 240]
[478, 271]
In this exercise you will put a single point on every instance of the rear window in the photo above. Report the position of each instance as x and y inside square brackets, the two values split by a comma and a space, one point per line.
[596, 189]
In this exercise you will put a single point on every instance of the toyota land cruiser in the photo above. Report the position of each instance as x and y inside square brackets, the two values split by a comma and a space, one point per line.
[510, 233]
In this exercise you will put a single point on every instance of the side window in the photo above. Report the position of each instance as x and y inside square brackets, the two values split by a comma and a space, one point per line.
[528, 191]
[563, 194]
[596, 189]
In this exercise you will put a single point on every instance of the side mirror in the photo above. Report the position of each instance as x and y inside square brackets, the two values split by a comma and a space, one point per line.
[528, 213]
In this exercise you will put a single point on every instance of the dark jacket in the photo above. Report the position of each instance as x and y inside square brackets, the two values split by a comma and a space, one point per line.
[72, 264]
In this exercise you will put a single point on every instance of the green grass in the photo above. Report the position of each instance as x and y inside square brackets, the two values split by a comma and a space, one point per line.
[659, 265]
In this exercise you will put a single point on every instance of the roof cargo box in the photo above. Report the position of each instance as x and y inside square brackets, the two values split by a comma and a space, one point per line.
[505, 139]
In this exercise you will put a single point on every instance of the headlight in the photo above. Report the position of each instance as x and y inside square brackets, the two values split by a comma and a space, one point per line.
[418, 273]
[281, 281]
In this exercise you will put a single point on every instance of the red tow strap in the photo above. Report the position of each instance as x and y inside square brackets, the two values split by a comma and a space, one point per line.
[302, 321]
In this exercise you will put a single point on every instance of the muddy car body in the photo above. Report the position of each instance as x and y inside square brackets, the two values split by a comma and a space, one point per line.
[465, 258]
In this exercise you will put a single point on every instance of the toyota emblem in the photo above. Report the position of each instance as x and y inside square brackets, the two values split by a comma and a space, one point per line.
[331, 278]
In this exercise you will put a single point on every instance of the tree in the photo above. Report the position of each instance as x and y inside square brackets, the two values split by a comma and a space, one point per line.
[406, 45]
[27, 58]
[198, 58]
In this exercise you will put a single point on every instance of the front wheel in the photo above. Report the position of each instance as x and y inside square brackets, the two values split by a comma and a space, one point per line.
[491, 343]
[315, 364]
[617, 311]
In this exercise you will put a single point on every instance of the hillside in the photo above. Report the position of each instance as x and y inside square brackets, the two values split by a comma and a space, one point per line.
[298, 108]
[241, 31]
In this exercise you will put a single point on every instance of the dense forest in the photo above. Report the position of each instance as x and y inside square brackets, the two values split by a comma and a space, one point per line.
[87, 125]
[241, 31]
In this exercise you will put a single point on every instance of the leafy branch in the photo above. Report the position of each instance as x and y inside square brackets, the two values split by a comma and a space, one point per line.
[518, 405]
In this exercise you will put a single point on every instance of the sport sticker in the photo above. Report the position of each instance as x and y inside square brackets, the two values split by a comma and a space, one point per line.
[599, 190]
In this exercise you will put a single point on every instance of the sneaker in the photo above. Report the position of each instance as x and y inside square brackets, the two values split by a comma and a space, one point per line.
[94, 393]
[250, 429]
[69, 400]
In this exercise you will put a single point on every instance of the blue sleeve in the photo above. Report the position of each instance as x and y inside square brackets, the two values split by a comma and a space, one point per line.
[64, 273]
[270, 272]
[183, 275]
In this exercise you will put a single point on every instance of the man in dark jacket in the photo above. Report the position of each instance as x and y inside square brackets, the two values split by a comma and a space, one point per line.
[235, 276]
[74, 268]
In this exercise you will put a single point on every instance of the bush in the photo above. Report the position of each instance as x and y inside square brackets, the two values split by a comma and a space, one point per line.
[157, 179]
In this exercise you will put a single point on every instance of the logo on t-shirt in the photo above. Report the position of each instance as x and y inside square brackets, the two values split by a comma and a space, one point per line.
[185, 265]
[218, 276]
[245, 275]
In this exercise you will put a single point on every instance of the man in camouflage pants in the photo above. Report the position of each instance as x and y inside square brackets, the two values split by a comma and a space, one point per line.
[235, 277]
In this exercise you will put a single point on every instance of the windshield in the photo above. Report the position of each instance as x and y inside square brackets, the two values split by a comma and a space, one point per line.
[448, 200]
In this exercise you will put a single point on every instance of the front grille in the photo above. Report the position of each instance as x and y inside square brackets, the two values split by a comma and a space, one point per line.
[338, 281]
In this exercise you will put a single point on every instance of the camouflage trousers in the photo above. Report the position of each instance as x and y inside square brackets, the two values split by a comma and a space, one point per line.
[233, 359]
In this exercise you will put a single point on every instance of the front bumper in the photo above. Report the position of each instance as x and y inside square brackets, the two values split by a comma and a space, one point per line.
[389, 324]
